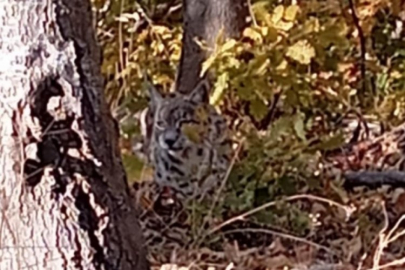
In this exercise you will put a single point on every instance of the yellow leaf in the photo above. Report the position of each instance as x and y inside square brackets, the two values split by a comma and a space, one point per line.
[160, 47]
[163, 79]
[253, 34]
[160, 29]
[191, 132]
[291, 13]
[234, 63]
[262, 68]
[260, 9]
[219, 39]
[195, 132]
[122, 19]
[229, 44]
[395, 74]
[142, 36]
[270, 33]
[202, 114]
[258, 62]
[207, 64]
[167, 36]
[283, 65]
[278, 14]
[220, 86]
[268, 20]
[302, 52]
[175, 56]
[311, 25]
[131, 16]
[285, 26]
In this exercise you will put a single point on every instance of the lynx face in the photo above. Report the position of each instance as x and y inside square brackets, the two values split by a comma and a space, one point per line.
[188, 148]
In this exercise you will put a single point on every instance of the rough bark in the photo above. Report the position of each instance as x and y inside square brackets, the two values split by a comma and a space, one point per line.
[64, 199]
[203, 19]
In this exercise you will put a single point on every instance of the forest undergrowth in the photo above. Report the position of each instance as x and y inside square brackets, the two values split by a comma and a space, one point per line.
[315, 94]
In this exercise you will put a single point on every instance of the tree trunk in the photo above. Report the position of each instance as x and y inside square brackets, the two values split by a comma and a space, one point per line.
[203, 19]
[64, 199]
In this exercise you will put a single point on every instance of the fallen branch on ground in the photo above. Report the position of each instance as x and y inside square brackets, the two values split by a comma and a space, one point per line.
[374, 179]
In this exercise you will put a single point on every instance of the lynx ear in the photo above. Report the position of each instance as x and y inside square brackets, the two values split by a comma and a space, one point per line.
[155, 96]
[200, 93]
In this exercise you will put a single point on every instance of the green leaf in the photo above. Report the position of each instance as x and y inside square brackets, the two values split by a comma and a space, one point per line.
[258, 109]
[270, 34]
[244, 92]
[302, 52]
[331, 142]
[299, 126]
[133, 166]
[286, 184]
[279, 127]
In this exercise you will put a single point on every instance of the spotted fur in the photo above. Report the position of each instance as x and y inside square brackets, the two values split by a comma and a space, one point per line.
[162, 216]
[188, 143]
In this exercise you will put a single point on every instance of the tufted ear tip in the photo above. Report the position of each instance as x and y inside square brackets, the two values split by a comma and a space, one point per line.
[155, 96]
[200, 93]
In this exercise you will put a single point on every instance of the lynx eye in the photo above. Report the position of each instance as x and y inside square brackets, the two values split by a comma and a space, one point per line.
[160, 125]
[187, 122]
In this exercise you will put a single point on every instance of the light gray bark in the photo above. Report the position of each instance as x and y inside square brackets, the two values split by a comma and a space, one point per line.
[203, 19]
[64, 200]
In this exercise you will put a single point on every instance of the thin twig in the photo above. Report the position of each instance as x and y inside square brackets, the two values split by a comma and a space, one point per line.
[384, 240]
[362, 41]
[282, 235]
[390, 237]
[120, 38]
[381, 236]
[393, 263]
[252, 15]
[347, 209]
[268, 118]
[223, 183]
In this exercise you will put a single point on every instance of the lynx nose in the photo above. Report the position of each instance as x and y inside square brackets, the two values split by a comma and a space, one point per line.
[170, 137]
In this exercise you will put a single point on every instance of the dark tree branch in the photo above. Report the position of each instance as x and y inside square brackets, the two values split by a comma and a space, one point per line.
[374, 179]
[264, 123]
[268, 118]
